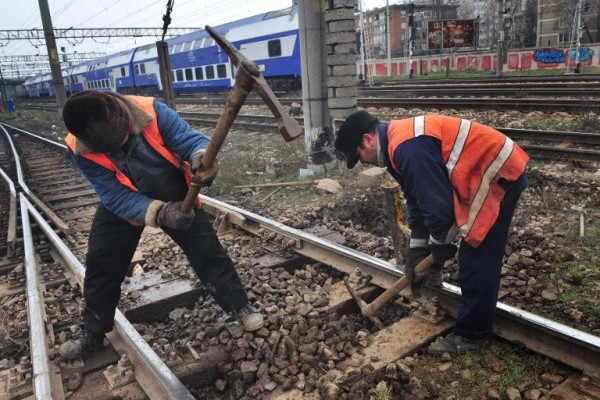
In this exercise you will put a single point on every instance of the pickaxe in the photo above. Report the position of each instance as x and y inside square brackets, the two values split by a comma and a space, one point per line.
[369, 310]
[247, 77]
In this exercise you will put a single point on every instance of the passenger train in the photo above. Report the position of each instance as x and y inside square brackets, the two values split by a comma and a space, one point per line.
[198, 64]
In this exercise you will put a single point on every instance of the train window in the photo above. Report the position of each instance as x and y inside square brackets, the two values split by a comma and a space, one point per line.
[199, 73]
[274, 48]
[208, 42]
[179, 74]
[172, 76]
[187, 46]
[221, 71]
[142, 68]
[177, 48]
[210, 72]
[122, 71]
[197, 44]
[137, 69]
[189, 74]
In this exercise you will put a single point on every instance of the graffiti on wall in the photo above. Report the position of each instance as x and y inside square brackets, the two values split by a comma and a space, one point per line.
[549, 58]
[586, 56]
[542, 58]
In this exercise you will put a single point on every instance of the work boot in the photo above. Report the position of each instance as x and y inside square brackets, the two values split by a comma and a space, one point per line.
[455, 345]
[435, 277]
[83, 343]
[250, 317]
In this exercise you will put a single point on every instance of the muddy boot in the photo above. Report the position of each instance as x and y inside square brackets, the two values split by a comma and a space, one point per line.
[455, 345]
[250, 317]
[83, 343]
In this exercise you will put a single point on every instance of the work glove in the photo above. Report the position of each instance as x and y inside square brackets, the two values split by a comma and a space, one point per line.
[171, 216]
[414, 256]
[443, 252]
[202, 177]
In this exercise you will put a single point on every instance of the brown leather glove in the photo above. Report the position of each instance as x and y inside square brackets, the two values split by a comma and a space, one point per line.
[202, 176]
[171, 216]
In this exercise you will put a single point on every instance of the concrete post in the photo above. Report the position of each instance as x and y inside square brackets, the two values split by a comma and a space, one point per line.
[341, 59]
[317, 126]
[59, 86]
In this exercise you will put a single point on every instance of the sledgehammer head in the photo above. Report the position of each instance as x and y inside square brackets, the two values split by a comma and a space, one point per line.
[365, 308]
[287, 126]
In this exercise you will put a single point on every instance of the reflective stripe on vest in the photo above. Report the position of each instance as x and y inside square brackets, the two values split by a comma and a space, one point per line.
[476, 157]
[152, 136]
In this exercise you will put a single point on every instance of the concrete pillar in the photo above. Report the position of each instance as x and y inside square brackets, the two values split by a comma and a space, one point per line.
[341, 59]
[317, 125]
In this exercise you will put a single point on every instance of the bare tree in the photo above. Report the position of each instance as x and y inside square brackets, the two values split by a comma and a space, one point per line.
[590, 18]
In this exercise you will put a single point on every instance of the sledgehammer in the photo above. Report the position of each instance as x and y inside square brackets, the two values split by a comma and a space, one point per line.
[369, 310]
[247, 77]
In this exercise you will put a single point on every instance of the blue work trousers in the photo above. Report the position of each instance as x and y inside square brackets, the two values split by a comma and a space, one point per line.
[111, 246]
[479, 269]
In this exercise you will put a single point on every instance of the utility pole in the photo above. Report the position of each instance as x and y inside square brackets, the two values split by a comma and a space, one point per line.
[164, 63]
[68, 69]
[578, 32]
[59, 87]
[2, 91]
[499, 37]
[411, 8]
[363, 71]
[388, 37]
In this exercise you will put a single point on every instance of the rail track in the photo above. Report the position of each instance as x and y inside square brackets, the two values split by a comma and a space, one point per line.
[577, 146]
[569, 93]
[314, 336]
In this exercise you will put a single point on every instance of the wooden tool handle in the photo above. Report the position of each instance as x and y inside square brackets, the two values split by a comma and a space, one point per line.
[243, 86]
[400, 284]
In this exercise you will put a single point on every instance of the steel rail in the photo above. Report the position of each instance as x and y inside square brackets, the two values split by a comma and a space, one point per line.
[562, 153]
[42, 387]
[520, 91]
[60, 224]
[573, 347]
[155, 378]
[443, 102]
[489, 103]
[11, 236]
[503, 79]
[552, 136]
[536, 151]
[514, 133]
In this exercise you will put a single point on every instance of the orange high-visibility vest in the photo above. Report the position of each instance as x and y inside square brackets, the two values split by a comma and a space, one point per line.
[476, 157]
[154, 138]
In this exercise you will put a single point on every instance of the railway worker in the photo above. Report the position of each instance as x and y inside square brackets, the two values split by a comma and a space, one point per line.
[458, 176]
[140, 157]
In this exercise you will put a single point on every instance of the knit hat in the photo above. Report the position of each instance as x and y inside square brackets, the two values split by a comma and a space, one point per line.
[100, 120]
[350, 134]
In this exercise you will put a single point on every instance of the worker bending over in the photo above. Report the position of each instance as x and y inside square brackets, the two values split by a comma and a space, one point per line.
[458, 176]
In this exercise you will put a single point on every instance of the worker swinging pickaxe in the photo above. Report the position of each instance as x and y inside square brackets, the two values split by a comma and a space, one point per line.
[247, 77]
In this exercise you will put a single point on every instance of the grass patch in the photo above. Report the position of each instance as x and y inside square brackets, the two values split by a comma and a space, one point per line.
[517, 367]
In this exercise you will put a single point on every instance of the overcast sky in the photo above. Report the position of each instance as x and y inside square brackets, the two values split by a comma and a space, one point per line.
[126, 13]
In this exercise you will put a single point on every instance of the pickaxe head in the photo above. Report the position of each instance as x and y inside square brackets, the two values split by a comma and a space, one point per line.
[288, 127]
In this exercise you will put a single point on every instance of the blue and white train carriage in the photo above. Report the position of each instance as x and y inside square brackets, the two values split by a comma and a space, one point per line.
[198, 64]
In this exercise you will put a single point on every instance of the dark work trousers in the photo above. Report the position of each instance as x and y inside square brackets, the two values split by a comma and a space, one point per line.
[479, 269]
[111, 246]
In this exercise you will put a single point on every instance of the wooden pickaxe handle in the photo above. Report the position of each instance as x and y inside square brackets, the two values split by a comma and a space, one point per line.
[243, 86]
[369, 310]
